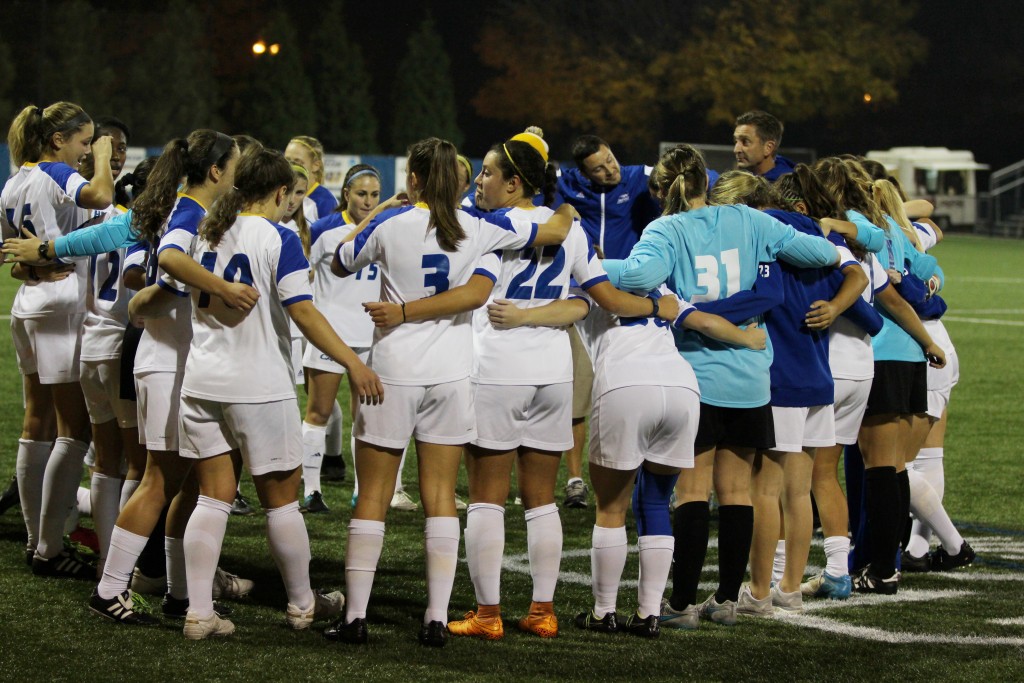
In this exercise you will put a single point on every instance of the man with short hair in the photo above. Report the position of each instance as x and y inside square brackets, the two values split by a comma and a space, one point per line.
[757, 138]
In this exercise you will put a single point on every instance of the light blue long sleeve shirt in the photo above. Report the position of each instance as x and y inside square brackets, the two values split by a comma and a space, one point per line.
[98, 239]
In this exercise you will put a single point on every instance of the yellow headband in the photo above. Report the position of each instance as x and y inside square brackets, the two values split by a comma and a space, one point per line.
[466, 165]
[317, 153]
[522, 177]
[535, 141]
[300, 170]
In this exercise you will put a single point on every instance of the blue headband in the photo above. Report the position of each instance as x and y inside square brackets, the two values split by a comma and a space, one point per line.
[365, 171]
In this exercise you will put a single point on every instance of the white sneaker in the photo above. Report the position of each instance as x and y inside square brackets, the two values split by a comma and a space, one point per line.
[723, 613]
[198, 629]
[460, 504]
[752, 607]
[230, 586]
[148, 585]
[687, 618]
[325, 606]
[792, 603]
[402, 501]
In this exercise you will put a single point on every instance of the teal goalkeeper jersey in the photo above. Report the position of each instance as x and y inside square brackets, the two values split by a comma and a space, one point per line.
[709, 254]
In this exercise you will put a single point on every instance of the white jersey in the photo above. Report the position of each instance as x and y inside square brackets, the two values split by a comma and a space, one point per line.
[629, 352]
[165, 340]
[43, 198]
[849, 346]
[413, 266]
[926, 234]
[341, 299]
[107, 299]
[531, 278]
[246, 358]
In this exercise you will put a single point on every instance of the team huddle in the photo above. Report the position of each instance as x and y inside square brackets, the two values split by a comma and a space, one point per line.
[733, 333]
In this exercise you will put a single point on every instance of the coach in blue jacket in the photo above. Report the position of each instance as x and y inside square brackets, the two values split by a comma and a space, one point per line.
[756, 140]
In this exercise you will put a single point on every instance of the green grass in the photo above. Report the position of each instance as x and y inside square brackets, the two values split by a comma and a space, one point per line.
[47, 633]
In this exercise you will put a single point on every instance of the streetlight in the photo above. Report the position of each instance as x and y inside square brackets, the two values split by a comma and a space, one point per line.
[259, 47]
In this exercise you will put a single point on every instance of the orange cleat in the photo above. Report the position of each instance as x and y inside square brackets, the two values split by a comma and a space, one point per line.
[479, 624]
[541, 620]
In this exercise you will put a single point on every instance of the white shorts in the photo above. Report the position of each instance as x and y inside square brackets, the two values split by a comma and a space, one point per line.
[940, 385]
[101, 386]
[158, 394]
[316, 359]
[799, 428]
[851, 403]
[297, 351]
[631, 425]
[439, 413]
[510, 416]
[269, 435]
[49, 346]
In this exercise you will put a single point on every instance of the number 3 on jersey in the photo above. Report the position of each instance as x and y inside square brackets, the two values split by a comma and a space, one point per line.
[710, 281]
[238, 265]
[440, 264]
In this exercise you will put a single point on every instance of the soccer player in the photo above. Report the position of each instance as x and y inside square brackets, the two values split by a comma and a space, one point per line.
[307, 152]
[756, 139]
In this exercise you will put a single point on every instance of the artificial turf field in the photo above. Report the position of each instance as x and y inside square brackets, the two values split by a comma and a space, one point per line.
[967, 625]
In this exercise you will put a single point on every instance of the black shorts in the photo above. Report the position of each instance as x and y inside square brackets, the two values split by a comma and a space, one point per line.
[899, 387]
[740, 427]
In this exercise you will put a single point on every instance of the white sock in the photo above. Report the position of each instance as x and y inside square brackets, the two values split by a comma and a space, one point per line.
[127, 489]
[314, 441]
[60, 488]
[30, 469]
[362, 552]
[926, 506]
[289, 546]
[544, 543]
[930, 464]
[401, 468]
[779, 563]
[106, 499]
[334, 435]
[655, 563]
[485, 546]
[83, 500]
[607, 560]
[441, 543]
[90, 459]
[355, 471]
[176, 567]
[124, 551]
[837, 556]
[204, 536]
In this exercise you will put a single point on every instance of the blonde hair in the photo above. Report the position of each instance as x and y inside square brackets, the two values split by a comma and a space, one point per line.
[741, 187]
[888, 199]
[33, 129]
[679, 176]
[851, 187]
[300, 214]
[314, 146]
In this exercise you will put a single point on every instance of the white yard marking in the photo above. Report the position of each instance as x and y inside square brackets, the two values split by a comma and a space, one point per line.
[982, 321]
[1015, 621]
[992, 280]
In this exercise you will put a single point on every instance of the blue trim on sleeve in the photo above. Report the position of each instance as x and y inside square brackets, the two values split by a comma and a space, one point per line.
[594, 281]
[169, 246]
[291, 258]
[59, 171]
[848, 263]
[166, 287]
[364, 236]
[296, 299]
[487, 274]
[678, 322]
[322, 225]
[78, 194]
[533, 234]
[324, 199]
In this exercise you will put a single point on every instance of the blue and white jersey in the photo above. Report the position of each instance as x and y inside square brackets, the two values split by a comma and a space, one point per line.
[341, 299]
[708, 254]
[613, 217]
[238, 357]
[43, 198]
[318, 203]
[414, 266]
[165, 340]
[849, 345]
[531, 278]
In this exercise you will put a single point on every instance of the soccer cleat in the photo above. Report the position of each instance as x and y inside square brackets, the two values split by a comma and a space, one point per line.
[325, 606]
[750, 606]
[332, 468]
[173, 608]
[402, 501]
[148, 585]
[120, 609]
[230, 586]
[588, 621]
[314, 503]
[687, 619]
[541, 620]
[10, 497]
[241, 506]
[914, 565]
[576, 494]
[354, 632]
[433, 634]
[66, 565]
[866, 582]
[824, 585]
[723, 613]
[198, 629]
[643, 627]
[944, 562]
[790, 603]
[474, 626]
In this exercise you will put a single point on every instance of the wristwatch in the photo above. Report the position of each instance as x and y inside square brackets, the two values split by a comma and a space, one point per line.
[44, 250]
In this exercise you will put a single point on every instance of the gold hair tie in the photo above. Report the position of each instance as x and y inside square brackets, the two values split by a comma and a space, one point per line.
[520, 173]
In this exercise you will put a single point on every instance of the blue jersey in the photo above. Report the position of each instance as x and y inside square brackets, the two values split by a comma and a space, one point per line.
[613, 217]
[782, 167]
[709, 254]
[318, 202]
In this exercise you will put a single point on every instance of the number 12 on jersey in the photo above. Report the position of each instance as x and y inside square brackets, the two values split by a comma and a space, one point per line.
[708, 277]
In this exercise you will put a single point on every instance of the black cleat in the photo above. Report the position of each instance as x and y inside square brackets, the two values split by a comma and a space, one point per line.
[66, 565]
[120, 609]
[241, 506]
[10, 497]
[588, 621]
[434, 634]
[173, 608]
[915, 565]
[576, 495]
[354, 632]
[644, 627]
[314, 504]
[332, 468]
[944, 562]
[866, 582]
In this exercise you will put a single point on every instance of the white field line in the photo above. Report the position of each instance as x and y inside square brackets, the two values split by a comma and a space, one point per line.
[982, 321]
[1015, 621]
[993, 311]
[991, 280]
[897, 637]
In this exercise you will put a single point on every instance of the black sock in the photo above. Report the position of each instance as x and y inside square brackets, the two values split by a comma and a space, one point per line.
[735, 529]
[152, 562]
[882, 503]
[690, 528]
[903, 481]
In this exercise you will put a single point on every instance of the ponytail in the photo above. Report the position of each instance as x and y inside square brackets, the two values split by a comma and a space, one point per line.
[260, 173]
[434, 162]
[679, 176]
[130, 185]
[888, 199]
[33, 129]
